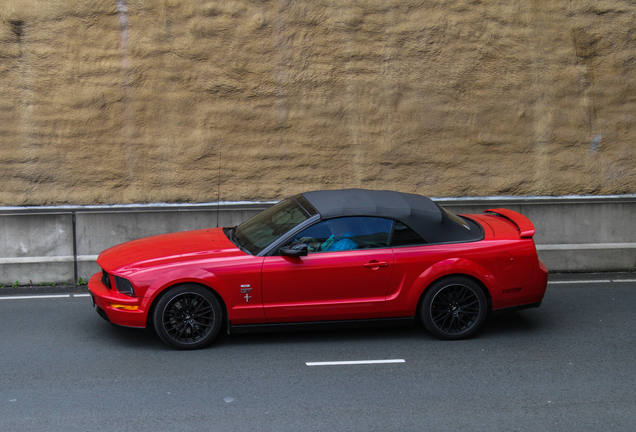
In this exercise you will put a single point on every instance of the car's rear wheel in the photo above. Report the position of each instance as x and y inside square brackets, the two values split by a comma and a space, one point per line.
[454, 308]
[187, 317]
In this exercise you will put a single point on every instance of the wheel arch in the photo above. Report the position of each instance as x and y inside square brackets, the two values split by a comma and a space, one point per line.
[165, 289]
[475, 279]
[453, 267]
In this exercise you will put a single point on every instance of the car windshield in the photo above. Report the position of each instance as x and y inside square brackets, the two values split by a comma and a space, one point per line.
[255, 234]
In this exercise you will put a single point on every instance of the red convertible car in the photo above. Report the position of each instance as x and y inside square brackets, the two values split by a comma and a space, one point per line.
[325, 258]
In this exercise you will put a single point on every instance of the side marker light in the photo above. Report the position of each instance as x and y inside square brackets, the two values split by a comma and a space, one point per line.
[511, 290]
[124, 307]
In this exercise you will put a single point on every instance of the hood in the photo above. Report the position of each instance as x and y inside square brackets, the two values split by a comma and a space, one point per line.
[167, 248]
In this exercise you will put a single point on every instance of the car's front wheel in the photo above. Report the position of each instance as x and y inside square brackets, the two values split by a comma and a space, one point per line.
[187, 317]
[454, 308]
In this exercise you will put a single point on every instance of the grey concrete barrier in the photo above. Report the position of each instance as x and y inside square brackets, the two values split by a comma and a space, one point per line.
[60, 244]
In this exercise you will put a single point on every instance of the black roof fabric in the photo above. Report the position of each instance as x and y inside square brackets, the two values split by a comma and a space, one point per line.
[361, 202]
[417, 212]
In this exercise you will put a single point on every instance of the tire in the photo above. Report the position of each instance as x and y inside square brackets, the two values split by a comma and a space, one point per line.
[187, 317]
[454, 308]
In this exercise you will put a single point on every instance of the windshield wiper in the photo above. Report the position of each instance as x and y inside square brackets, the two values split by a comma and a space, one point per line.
[235, 238]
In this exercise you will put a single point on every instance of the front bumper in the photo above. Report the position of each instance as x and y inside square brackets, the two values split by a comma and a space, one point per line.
[105, 298]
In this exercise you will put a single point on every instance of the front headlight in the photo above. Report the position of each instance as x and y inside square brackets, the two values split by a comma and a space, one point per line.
[124, 286]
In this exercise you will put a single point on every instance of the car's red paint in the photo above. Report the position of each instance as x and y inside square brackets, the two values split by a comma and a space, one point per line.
[328, 286]
[526, 228]
[361, 284]
[155, 263]
[162, 250]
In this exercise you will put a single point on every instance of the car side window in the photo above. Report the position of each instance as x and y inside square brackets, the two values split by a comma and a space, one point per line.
[346, 233]
[405, 236]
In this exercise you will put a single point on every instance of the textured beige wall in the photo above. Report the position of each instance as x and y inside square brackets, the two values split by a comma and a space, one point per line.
[131, 101]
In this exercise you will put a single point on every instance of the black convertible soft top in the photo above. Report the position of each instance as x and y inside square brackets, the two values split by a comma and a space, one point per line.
[418, 212]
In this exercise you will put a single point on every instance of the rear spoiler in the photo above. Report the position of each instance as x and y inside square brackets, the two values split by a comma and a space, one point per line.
[524, 226]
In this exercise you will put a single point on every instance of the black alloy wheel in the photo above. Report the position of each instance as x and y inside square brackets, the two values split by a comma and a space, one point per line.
[453, 308]
[187, 317]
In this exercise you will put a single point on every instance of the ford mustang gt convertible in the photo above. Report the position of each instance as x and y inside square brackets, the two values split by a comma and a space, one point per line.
[325, 259]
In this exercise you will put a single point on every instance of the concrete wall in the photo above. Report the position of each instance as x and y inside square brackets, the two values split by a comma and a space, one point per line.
[61, 244]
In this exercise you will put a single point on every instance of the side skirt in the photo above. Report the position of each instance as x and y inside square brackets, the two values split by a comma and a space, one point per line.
[516, 308]
[319, 325]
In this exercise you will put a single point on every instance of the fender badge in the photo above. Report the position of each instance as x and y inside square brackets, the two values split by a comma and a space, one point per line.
[245, 289]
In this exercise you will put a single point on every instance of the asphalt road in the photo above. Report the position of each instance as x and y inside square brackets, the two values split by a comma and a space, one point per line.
[567, 366]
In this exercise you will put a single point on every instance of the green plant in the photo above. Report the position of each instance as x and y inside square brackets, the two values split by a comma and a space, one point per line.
[16, 284]
[52, 283]
[80, 281]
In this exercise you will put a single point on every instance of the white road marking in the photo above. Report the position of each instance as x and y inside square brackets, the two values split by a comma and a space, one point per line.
[30, 297]
[354, 362]
[592, 281]
[580, 282]
[81, 295]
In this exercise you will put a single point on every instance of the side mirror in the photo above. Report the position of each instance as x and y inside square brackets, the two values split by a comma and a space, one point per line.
[297, 249]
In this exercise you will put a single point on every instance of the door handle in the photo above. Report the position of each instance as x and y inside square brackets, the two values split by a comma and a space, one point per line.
[376, 264]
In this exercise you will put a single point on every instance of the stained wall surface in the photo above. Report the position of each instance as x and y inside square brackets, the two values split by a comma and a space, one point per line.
[136, 101]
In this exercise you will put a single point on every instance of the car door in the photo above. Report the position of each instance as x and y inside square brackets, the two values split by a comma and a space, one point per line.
[346, 274]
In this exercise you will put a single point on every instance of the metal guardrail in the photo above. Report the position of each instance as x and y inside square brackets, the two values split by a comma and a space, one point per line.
[239, 205]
